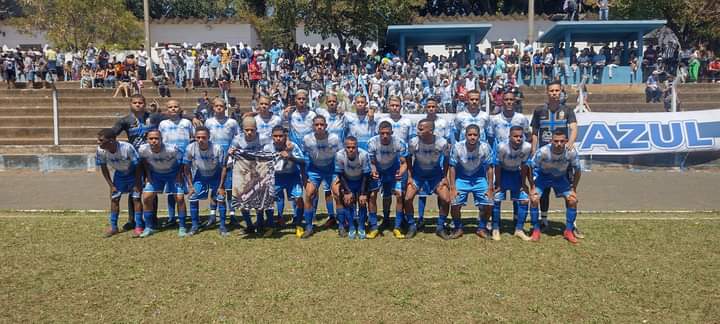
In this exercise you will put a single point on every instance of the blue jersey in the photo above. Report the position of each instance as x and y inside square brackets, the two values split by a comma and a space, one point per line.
[283, 166]
[511, 159]
[387, 157]
[444, 129]
[499, 127]
[177, 133]
[465, 119]
[549, 164]
[300, 125]
[242, 143]
[222, 131]
[428, 158]
[471, 165]
[336, 123]
[265, 126]
[124, 160]
[402, 128]
[164, 162]
[353, 170]
[207, 163]
[361, 127]
[320, 153]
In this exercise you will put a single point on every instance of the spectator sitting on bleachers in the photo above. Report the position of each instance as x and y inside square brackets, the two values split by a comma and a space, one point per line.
[652, 88]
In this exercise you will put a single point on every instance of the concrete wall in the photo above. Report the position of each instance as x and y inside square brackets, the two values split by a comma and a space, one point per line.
[204, 33]
[11, 37]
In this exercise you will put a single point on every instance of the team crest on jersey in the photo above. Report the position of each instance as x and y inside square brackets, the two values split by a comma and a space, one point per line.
[561, 114]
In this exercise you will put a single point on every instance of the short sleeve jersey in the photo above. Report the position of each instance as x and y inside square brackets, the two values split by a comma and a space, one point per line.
[428, 158]
[352, 169]
[300, 124]
[222, 132]
[402, 128]
[336, 123]
[265, 126]
[545, 122]
[123, 160]
[204, 163]
[135, 128]
[320, 153]
[465, 119]
[177, 133]
[444, 129]
[283, 166]
[164, 162]
[471, 164]
[361, 127]
[387, 157]
[511, 159]
[549, 164]
[500, 125]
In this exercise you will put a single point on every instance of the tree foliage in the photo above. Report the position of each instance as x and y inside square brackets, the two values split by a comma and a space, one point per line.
[210, 9]
[73, 24]
[693, 21]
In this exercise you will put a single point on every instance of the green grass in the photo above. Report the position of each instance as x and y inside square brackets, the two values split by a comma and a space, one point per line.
[57, 268]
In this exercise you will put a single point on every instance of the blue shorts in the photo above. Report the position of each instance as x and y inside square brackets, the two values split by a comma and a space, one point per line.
[478, 188]
[125, 183]
[317, 177]
[289, 183]
[160, 183]
[228, 179]
[388, 183]
[561, 185]
[355, 186]
[511, 180]
[426, 186]
[205, 187]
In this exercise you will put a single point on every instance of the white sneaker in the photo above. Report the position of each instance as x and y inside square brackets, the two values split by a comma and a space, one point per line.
[521, 234]
[496, 235]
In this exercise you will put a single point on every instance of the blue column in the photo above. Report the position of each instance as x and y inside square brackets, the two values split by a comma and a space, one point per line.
[640, 54]
[471, 49]
[568, 47]
[626, 53]
[402, 47]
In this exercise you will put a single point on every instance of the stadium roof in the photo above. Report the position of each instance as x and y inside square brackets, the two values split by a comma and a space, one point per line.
[600, 31]
[436, 34]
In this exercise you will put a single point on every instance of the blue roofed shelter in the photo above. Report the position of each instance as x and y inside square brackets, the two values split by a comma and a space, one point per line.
[624, 31]
[469, 35]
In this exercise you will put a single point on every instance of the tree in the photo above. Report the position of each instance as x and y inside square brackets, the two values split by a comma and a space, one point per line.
[210, 9]
[73, 24]
[360, 20]
[693, 21]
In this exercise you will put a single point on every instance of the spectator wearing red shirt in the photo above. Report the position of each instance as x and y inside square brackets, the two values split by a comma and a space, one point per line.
[255, 74]
[714, 69]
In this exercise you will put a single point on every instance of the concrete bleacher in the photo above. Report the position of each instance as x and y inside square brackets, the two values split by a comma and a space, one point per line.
[26, 123]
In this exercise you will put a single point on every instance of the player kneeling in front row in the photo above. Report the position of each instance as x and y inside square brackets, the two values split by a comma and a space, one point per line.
[122, 157]
[352, 166]
[512, 168]
[203, 162]
[162, 169]
[554, 166]
[471, 172]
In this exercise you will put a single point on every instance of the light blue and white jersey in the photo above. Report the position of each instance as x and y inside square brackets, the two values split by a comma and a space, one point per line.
[500, 125]
[265, 126]
[511, 159]
[320, 153]
[240, 142]
[402, 128]
[428, 158]
[471, 165]
[549, 164]
[387, 157]
[222, 131]
[361, 127]
[124, 160]
[283, 166]
[465, 119]
[352, 169]
[336, 123]
[300, 125]
[177, 133]
[444, 129]
[207, 163]
[164, 162]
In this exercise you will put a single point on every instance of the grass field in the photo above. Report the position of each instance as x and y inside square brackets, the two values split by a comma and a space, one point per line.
[631, 268]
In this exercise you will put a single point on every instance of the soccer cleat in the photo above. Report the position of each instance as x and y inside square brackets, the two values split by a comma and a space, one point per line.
[210, 222]
[411, 232]
[223, 231]
[578, 233]
[568, 235]
[193, 231]
[128, 226]
[308, 232]
[488, 227]
[249, 230]
[182, 232]
[281, 221]
[137, 231]
[442, 234]
[361, 234]
[458, 233]
[420, 226]
[496, 235]
[147, 232]
[373, 234]
[535, 236]
[481, 233]
[170, 223]
[352, 234]
[521, 234]
[110, 232]
[544, 224]
[342, 232]
[398, 234]
[299, 231]
[329, 223]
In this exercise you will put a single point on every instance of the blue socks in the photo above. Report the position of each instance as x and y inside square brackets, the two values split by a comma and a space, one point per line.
[329, 205]
[149, 221]
[570, 216]
[341, 217]
[496, 215]
[362, 218]
[410, 218]
[522, 215]
[195, 214]
[297, 216]
[308, 219]
[457, 223]
[421, 208]
[398, 219]
[222, 211]
[280, 203]
[441, 222]
[182, 214]
[139, 220]
[259, 221]
[535, 218]
[114, 220]
[269, 221]
[350, 212]
[373, 219]
[246, 216]
[171, 206]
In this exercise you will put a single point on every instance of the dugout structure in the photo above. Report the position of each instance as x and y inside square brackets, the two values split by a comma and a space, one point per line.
[403, 37]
